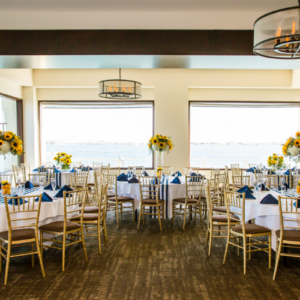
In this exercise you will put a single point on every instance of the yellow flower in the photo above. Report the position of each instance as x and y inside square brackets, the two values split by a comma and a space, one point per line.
[288, 141]
[14, 145]
[297, 133]
[67, 156]
[164, 136]
[7, 136]
[161, 145]
[1, 142]
[297, 143]
[155, 141]
[62, 159]
[63, 154]
[4, 182]
[150, 141]
[58, 153]
[71, 156]
[157, 136]
[170, 147]
[68, 161]
[284, 150]
[149, 145]
[55, 158]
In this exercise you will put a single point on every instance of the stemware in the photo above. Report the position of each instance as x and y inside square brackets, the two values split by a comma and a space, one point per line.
[143, 171]
[259, 187]
[22, 189]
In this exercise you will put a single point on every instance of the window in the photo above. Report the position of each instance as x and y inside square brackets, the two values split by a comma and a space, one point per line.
[230, 133]
[10, 120]
[108, 132]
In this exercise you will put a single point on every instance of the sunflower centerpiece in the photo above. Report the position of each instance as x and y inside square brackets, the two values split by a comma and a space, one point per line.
[10, 143]
[160, 144]
[291, 148]
[63, 159]
[275, 161]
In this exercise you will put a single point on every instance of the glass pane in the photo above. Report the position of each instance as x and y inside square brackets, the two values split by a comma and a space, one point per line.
[8, 115]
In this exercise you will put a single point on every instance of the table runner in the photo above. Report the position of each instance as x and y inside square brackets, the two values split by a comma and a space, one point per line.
[27, 191]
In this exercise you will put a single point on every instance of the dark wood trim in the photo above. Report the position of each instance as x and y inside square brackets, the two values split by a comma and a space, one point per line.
[20, 127]
[12, 97]
[134, 42]
[40, 102]
[190, 102]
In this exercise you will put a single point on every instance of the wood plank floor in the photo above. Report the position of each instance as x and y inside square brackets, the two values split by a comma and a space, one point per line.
[149, 264]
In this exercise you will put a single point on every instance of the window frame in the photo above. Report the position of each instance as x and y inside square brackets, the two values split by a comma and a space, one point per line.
[190, 103]
[64, 102]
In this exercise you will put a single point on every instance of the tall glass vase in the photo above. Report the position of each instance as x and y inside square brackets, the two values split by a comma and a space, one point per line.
[159, 159]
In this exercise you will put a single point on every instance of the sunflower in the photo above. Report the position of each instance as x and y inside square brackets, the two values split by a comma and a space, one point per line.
[169, 143]
[55, 158]
[170, 147]
[149, 145]
[150, 141]
[297, 134]
[18, 140]
[288, 141]
[68, 161]
[157, 136]
[284, 150]
[63, 154]
[1, 142]
[67, 156]
[155, 141]
[297, 143]
[161, 145]
[62, 159]
[14, 145]
[58, 153]
[7, 136]
[71, 156]
[4, 182]
[164, 137]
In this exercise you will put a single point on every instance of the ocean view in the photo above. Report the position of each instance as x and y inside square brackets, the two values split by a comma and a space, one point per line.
[204, 156]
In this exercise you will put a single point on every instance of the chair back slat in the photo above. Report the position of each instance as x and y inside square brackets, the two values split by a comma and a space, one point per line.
[193, 186]
[235, 205]
[289, 212]
[274, 181]
[240, 181]
[149, 187]
[74, 202]
[166, 170]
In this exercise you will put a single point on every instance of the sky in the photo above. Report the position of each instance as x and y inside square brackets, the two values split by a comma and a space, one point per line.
[243, 125]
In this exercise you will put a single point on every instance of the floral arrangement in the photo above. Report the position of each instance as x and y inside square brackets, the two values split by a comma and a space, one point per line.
[10, 143]
[64, 159]
[6, 187]
[298, 187]
[275, 161]
[292, 146]
[158, 171]
[160, 143]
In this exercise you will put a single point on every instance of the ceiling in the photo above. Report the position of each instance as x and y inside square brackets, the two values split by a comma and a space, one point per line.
[145, 5]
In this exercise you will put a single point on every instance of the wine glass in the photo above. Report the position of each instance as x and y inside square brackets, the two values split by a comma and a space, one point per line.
[143, 171]
[282, 181]
[53, 184]
[133, 171]
[259, 187]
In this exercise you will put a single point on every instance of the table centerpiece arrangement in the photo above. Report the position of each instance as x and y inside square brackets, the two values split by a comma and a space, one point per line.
[10, 143]
[275, 161]
[160, 144]
[291, 148]
[6, 187]
[63, 159]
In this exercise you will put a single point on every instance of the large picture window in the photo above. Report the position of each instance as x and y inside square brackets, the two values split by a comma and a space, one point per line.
[114, 132]
[239, 133]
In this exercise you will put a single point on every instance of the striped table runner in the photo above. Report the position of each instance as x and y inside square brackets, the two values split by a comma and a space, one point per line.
[27, 191]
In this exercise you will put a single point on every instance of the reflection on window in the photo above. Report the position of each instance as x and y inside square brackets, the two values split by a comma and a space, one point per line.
[225, 134]
[114, 133]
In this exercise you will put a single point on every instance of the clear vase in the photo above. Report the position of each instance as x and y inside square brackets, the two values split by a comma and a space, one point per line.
[159, 159]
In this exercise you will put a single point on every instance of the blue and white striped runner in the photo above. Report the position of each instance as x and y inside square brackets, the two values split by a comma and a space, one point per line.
[27, 191]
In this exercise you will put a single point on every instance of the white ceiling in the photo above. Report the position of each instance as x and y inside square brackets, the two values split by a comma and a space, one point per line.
[145, 5]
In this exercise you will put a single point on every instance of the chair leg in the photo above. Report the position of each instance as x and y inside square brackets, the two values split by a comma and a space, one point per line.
[117, 210]
[63, 252]
[0, 256]
[83, 244]
[159, 220]
[190, 212]
[121, 211]
[7, 262]
[278, 253]
[249, 248]
[39, 255]
[41, 245]
[143, 208]
[173, 210]
[184, 216]
[104, 230]
[227, 245]
[99, 236]
[270, 252]
[140, 216]
[207, 236]
[245, 254]
[133, 212]
[32, 256]
[163, 214]
[210, 238]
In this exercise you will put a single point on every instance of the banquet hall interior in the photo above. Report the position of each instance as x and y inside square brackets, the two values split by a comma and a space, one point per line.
[150, 149]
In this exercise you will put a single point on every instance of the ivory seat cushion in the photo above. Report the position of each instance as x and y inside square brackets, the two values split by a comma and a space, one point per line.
[120, 199]
[59, 226]
[152, 201]
[251, 229]
[19, 234]
[220, 209]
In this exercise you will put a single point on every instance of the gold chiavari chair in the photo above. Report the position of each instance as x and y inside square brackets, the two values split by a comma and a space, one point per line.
[150, 203]
[138, 169]
[274, 181]
[167, 170]
[22, 209]
[47, 164]
[294, 179]
[235, 170]
[254, 165]
[76, 164]
[235, 204]
[214, 220]
[286, 166]
[19, 174]
[260, 174]
[36, 179]
[223, 185]
[115, 202]
[235, 166]
[79, 181]
[289, 233]
[105, 169]
[214, 172]
[97, 165]
[50, 171]
[186, 170]
[114, 171]
[191, 201]
[239, 181]
[74, 202]
[93, 221]
[27, 168]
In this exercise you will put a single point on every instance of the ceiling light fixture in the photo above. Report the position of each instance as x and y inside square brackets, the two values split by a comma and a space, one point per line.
[277, 34]
[120, 88]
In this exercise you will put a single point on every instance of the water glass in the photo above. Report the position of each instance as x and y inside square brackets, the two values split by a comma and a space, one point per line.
[259, 187]
[282, 181]
[283, 190]
[53, 184]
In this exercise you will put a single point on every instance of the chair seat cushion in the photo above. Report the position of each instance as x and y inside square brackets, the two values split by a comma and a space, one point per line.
[91, 209]
[182, 200]
[220, 209]
[223, 218]
[289, 235]
[202, 197]
[19, 234]
[111, 194]
[251, 229]
[87, 217]
[152, 201]
[120, 199]
[59, 226]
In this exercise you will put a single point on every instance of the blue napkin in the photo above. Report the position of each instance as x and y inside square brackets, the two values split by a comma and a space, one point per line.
[45, 198]
[10, 201]
[60, 193]
[28, 185]
[39, 168]
[244, 189]
[196, 178]
[286, 186]
[176, 180]
[193, 174]
[251, 170]
[85, 169]
[264, 188]
[269, 199]
[122, 177]
[72, 171]
[49, 187]
[146, 174]
[179, 174]
[57, 171]
[133, 180]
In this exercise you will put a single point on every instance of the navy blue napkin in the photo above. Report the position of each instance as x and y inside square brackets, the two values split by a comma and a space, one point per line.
[57, 171]
[60, 193]
[251, 170]
[179, 174]
[122, 177]
[247, 192]
[244, 189]
[269, 199]
[176, 180]
[133, 180]
[193, 174]
[10, 201]
[286, 186]
[72, 171]
[28, 185]
[49, 187]
[264, 188]
[146, 174]
[39, 168]
[196, 178]
[45, 198]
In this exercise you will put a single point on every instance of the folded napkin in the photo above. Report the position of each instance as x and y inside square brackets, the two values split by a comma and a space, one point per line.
[10, 201]
[133, 180]
[179, 174]
[85, 169]
[57, 171]
[251, 170]
[28, 185]
[122, 177]
[60, 193]
[264, 188]
[37, 169]
[45, 198]
[247, 191]
[269, 199]
[193, 174]
[49, 187]
[72, 171]
[286, 186]
[196, 178]
[176, 180]
[146, 174]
